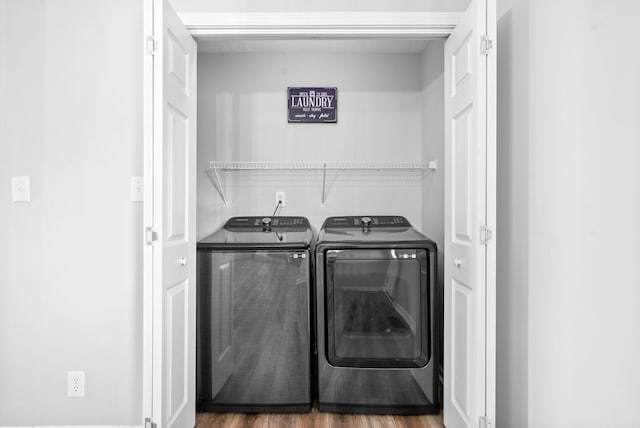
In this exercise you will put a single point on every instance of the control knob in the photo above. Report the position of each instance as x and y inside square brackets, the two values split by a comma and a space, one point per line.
[266, 223]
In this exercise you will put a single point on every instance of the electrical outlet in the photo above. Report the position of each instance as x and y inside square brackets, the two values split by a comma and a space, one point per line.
[137, 189]
[75, 384]
[21, 190]
[280, 197]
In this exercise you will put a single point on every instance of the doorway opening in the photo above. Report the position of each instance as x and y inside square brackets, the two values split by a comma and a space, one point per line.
[243, 126]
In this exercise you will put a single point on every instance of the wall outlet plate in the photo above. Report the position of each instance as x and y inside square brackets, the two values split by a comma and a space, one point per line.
[75, 384]
[137, 189]
[20, 189]
[281, 197]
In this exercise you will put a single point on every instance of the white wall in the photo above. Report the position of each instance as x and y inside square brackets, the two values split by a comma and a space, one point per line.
[569, 147]
[243, 117]
[584, 196]
[513, 213]
[70, 111]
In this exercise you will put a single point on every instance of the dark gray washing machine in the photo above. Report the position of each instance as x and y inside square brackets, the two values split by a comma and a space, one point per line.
[376, 325]
[254, 336]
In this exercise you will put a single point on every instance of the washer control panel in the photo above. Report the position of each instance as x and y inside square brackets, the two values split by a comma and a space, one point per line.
[260, 223]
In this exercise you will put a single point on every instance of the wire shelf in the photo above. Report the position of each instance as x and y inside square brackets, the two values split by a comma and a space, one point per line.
[329, 165]
[216, 166]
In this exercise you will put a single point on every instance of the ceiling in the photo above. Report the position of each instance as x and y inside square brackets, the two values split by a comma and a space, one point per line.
[396, 45]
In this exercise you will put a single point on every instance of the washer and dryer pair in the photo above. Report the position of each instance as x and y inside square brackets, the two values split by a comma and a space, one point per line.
[347, 319]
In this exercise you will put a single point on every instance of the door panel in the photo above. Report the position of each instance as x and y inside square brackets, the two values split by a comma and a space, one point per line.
[177, 310]
[177, 62]
[461, 63]
[176, 155]
[461, 145]
[465, 214]
[460, 369]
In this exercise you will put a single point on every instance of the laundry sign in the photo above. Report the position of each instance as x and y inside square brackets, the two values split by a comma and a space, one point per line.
[312, 105]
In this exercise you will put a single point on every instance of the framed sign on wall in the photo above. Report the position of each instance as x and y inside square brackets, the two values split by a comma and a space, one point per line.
[312, 105]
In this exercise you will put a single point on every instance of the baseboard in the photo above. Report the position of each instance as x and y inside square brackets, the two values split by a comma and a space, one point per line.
[72, 426]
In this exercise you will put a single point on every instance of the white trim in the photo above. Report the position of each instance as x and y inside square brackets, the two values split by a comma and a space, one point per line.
[320, 24]
[491, 213]
[73, 426]
[147, 250]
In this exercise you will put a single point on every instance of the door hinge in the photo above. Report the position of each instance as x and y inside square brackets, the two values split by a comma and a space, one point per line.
[486, 235]
[148, 423]
[150, 236]
[484, 422]
[151, 45]
[486, 44]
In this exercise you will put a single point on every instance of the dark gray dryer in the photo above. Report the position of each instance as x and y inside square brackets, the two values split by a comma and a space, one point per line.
[375, 319]
[254, 336]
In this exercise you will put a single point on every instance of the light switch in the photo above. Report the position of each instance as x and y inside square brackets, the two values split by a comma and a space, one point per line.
[21, 190]
[137, 189]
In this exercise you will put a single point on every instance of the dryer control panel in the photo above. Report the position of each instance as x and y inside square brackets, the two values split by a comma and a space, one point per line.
[350, 222]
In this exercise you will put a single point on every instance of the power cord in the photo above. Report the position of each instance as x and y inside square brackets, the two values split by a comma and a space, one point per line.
[277, 207]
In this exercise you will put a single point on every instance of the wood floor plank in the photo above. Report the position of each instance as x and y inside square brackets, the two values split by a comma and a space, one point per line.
[315, 419]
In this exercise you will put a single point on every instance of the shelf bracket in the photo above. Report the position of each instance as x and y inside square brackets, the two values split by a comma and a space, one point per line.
[213, 175]
[324, 182]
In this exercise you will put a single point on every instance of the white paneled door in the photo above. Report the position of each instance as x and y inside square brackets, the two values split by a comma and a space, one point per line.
[171, 399]
[468, 351]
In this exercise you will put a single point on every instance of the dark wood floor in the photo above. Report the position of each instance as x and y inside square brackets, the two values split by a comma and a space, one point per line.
[315, 419]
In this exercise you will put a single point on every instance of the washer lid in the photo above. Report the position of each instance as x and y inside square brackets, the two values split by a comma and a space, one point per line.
[256, 232]
[369, 229]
